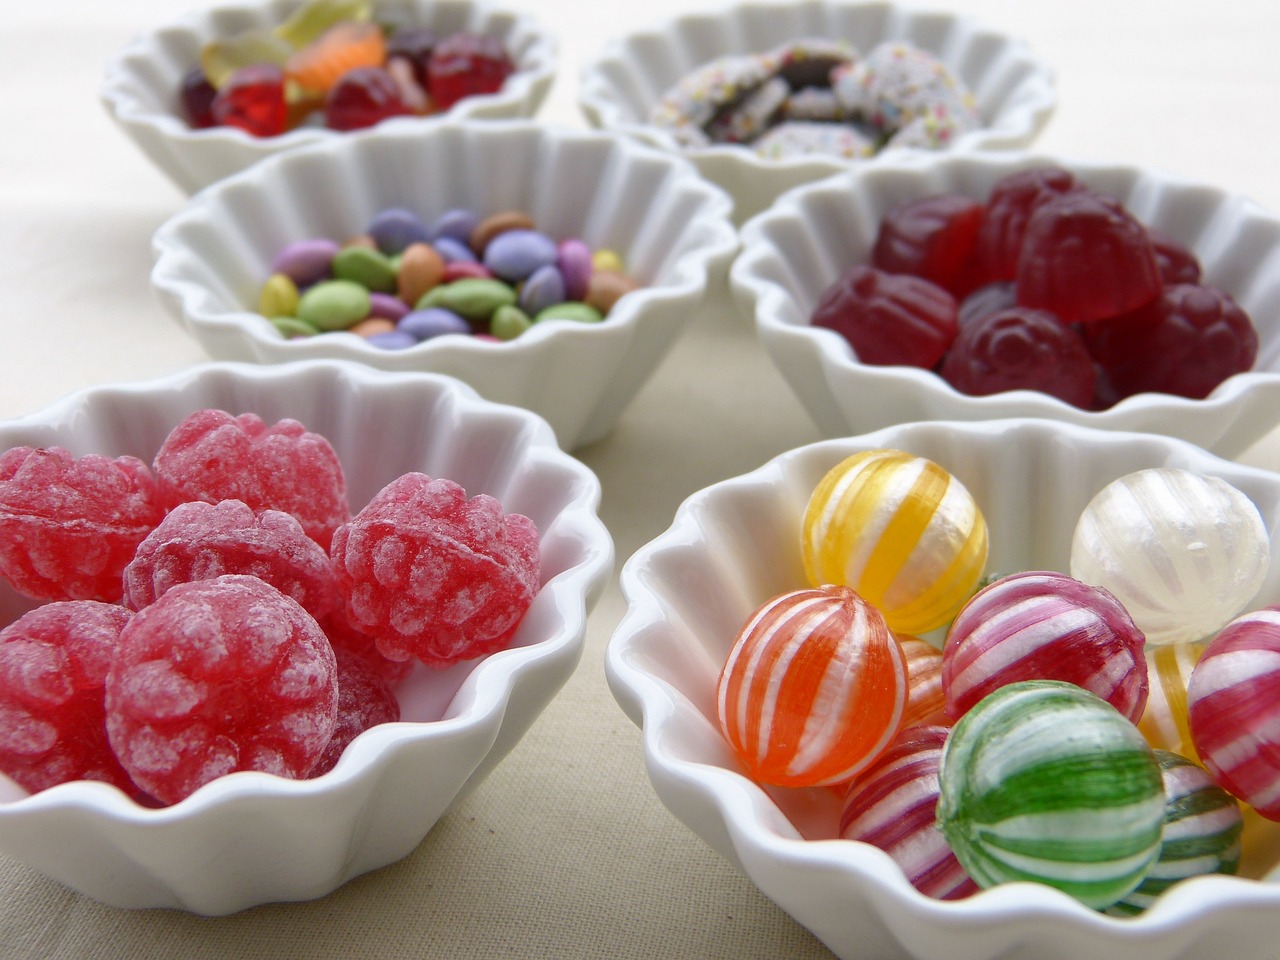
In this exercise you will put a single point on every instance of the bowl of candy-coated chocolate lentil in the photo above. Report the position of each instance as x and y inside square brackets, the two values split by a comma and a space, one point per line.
[765, 96]
[712, 645]
[219, 89]
[1165, 318]
[548, 268]
[255, 826]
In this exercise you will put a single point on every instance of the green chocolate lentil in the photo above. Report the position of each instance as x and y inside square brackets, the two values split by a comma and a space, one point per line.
[334, 304]
[475, 298]
[570, 310]
[369, 268]
[279, 296]
[291, 327]
[508, 322]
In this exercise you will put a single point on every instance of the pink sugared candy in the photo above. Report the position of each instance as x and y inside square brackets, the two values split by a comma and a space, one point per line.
[1043, 625]
[200, 541]
[219, 676]
[364, 700]
[892, 805]
[347, 639]
[434, 575]
[213, 456]
[69, 526]
[53, 665]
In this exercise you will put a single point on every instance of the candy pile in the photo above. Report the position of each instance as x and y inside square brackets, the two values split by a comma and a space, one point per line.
[1063, 733]
[1049, 285]
[817, 96]
[405, 281]
[222, 610]
[329, 63]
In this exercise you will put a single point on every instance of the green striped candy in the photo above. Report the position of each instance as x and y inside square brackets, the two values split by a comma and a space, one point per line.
[1202, 827]
[1044, 781]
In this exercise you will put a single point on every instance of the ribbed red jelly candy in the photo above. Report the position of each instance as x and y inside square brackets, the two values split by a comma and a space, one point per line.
[253, 99]
[464, 64]
[934, 237]
[214, 456]
[53, 665]
[1010, 203]
[200, 541]
[434, 575]
[364, 700]
[219, 676]
[68, 527]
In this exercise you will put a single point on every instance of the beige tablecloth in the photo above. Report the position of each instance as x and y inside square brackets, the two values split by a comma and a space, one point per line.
[564, 851]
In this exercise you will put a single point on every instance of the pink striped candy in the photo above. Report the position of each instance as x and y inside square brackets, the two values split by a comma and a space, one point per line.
[1233, 708]
[814, 688]
[1043, 625]
[926, 700]
[892, 805]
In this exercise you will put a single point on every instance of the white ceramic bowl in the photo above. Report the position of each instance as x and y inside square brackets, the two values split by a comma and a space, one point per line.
[140, 85]
[618, 89]
[671, 228]
[792, 252]
[737, 543]
[252, 838]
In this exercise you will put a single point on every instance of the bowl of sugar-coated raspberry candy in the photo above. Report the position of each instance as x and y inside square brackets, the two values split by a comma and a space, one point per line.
[219, 89]
[251, 648]
[995, 285]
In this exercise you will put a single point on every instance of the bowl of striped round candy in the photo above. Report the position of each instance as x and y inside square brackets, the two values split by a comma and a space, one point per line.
[974, 689]
[253, 648]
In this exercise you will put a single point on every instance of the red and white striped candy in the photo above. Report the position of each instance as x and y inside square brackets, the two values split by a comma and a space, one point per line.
[1043, 625]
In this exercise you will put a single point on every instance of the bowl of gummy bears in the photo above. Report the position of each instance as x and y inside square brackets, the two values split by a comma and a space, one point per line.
[765, 96]
[1015, 284]
[251, 647]
[219, 89]
[977, 689]
[546, 267]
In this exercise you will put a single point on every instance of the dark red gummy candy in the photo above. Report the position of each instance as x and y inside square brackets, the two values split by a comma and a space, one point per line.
[68, 527]
[53, 666]
[464, 64]
[252, 99]
[889, 318]
[1086, 258]
[218, 676]
[1185, 342]
[1010, 204]
[933, 237]
[362, 97]
[364, 700]
[413, 44]
[196, 94]
[433, 575]
[1175, 262]
[1020, 349]
[200, 541]
[213, 456]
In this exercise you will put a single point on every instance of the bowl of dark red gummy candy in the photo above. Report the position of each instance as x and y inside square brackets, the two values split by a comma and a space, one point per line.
[997, 285]
[262, 627]
[219, 89]
[765, 96]
[975, 689]
[548, 268]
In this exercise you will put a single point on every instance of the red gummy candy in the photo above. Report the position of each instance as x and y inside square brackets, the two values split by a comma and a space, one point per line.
[889, 318]
[433, 575]
[1175, 262]
[196, 94]
[213, 456]
[53, 665]
[364, 700]
[364, 96]
[414, 45]
[1009, 206]
[1185, 342]
[252, 99]
[986, 300]
[933, 237]
[200, 541]
[1020, 349]
[1085, 258]
[465, 64]
[218, 676]
[68, 527]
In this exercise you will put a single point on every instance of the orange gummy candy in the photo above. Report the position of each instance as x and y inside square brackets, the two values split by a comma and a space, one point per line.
[343, 47]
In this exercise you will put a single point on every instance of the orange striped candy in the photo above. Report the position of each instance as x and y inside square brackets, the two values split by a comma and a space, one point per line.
[901, 531]
[926, 700]
[814, 688]
[318, 67]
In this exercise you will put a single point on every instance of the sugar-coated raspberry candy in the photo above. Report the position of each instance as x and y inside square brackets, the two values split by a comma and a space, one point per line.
[1084, 257]
[219, 676]
[68, 527]
[1010, 204]
[53, 665]
[889, 318]
[213, 456]
[346, 639]
[200, 541]
[364, 700]
[1020, 349]
[1185, 342]
[932, 237]
[434, 575]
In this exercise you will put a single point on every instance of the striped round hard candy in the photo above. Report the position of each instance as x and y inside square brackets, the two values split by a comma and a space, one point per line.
[1201, 835]
[1183, 552]
[902, 531]
[926, 701]
[1164, 721]
[813, 689]
[892, 805]
[1044, 781]
[1233, 707]
[1043, 625]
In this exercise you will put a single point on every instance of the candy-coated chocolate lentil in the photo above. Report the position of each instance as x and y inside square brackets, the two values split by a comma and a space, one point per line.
[496, 223]
[386, 306]
[279, 296]
[543, 288]
[454, 251]
[606, 259]
[395, 229]
[372, 326]
[334, 304]
[432, 322]
[368, 267]
[391, 340]
[578, 312]
[306, 261]
[508, 322]
[291, 327]
[457, 224]
[516, 254]
[573, 259]
[606, 287]
[421, 268]
[474, 298]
